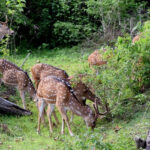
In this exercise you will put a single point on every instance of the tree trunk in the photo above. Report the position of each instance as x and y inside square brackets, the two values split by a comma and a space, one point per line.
[7, 107]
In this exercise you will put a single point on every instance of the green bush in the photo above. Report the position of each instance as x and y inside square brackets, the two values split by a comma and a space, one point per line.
[66, 23]
[126, 73]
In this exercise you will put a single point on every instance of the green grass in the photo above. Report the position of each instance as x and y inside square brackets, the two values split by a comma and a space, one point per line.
[22, 130]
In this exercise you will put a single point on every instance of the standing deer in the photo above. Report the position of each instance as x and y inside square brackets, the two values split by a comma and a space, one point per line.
[39, 71]
[14, 76]
[82, 92]
[4, 30]
[55, 91]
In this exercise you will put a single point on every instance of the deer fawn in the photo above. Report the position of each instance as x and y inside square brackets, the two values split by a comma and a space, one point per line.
[15, 76]
[136, 38]
[39, 71]
[96, 59]
[55, 91]
[4, 30]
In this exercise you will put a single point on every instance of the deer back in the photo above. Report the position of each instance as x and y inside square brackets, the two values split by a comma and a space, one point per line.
[83, 92]
[136, 38]
[52, 89]
[57, 91]
[13, 75]
[6, 65]
[40, 71]
[96, 59]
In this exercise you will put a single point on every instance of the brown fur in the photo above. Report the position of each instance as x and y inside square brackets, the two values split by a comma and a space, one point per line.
[96, 59]
[136, 38]
[39, 71]
[53, 90]
[14, 76]
[83, 92]
[4, 30]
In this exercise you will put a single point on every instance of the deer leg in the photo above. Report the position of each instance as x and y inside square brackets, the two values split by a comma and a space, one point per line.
[39, 102]
[0, 82]
[41, 109]
[64, 116]
[49, 113]
[57, 121]
[63, 125]
[72, 116]
[36, 84]
[22, 95]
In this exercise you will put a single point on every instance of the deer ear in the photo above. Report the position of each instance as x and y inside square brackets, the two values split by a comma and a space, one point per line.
[6, 19]
[2, 23]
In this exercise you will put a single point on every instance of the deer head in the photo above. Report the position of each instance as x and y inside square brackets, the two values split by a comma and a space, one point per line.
[4, 30]
[90, 118]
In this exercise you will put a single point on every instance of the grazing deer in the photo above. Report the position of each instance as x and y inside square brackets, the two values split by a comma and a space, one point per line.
[82, 91]
[55, 91]
[39, 71]
[4, 30]
[14, 76]
[96, 59]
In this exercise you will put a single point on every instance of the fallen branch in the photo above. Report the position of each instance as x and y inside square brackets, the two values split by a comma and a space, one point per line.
[7, 107]
[25, 60]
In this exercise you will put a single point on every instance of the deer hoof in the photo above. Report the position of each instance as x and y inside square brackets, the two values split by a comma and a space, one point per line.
[38, 132]
[71, 134]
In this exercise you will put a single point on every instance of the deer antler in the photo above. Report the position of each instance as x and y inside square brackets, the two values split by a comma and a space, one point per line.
[6, 19]
[97, 113]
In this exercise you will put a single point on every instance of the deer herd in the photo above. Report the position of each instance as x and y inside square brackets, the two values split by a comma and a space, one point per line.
[53, 88]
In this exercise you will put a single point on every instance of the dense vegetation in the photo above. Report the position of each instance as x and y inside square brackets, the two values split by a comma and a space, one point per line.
[21, 133]
[67, 22]
[44, 27]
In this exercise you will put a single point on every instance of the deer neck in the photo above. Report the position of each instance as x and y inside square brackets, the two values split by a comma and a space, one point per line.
[31, 90]
[77, 108]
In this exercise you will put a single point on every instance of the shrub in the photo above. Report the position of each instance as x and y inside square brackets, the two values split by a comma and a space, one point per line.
[126, 73]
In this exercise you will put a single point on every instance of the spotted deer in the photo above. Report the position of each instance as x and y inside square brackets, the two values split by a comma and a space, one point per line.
[55, 91]
[4, 30]
[82, 92]
[39, 71]
[96, 59]
[136, 38]
[12, 75]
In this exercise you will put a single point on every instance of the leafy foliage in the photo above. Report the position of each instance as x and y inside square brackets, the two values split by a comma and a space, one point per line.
[66, 23]
[126, 74]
